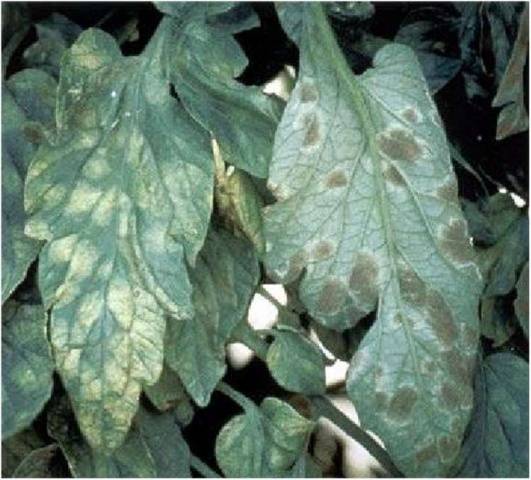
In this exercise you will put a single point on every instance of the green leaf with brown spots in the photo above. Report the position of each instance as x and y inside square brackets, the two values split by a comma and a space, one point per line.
[296, 363]
[28, 100]
[224, 279]
[27, 365]
[367, 211]
[123, 198]
[204, 64]
[263, 442]
[497, 439]
[513, 117]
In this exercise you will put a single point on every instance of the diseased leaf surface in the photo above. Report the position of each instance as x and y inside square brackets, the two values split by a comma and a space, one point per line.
[497, 439]
[122, 196]
[367, 207]
[27, 365]
[262, 442]
[224, 278]
[296, 363]
[27, 107]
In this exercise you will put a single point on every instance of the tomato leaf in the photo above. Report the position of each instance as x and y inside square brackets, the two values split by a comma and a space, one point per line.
[27, 365]
[121, 197]
[224, 278]
[367, 208]
[264, 441]
[28, 100]
[497, 439]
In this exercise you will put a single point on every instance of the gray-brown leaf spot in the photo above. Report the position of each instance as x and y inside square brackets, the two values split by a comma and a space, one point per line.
[311, 127]
[399, 144]
[308, 93]
[402, 403]
[455, 241]
[363, 280]
[335, 179]
[332, 296]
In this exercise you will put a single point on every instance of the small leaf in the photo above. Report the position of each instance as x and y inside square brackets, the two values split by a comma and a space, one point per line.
[296, 363]
[28, 100]
[17, 447]
[169, 394]
[122, 197]
[262, 442]
[521, 304]
[367, 211]
[37, 464]
[27, 365]
[497, 440]
[513, 117]
[224, 279]
[55, 35]
[165, 443]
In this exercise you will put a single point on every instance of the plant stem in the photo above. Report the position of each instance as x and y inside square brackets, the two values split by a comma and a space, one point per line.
[235, 396]
[202, 468]
[327, 409]
[246, 335]
[262, 291]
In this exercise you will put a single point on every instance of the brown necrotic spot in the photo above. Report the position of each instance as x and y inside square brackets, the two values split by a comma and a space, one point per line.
[322, 250]
[311, 127]
[399, 145]
[336, 179]
[363, 280]
[449, 396]
[457, 367]
[441, 319]
[448, 448]
[412, 288]
[427, 453]
[455, 241]
[332, 296]
[402, 403]
[410, 114]
[392, 175]
[448, 191]
[33, 132]
[295, 265]
[308, 93]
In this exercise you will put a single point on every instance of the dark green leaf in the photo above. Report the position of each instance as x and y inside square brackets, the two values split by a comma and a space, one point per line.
[367, 206]
[224, 278]
[37, 463]
[513, 117]
[122, 196]
[296, 363]
[28, 100]
[521, 304]
[153, 448]
[17, 447]
[497, 439]
[55, 34]
[27, 365]
[169, 394]
[262, 442]
[204, 63]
